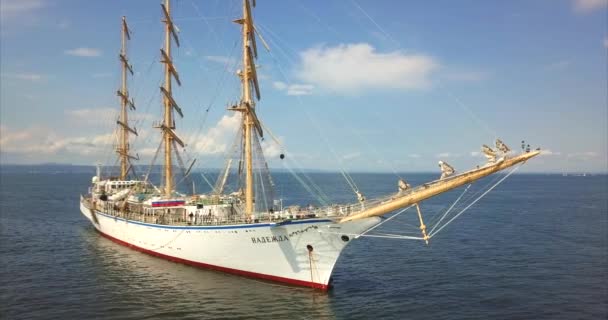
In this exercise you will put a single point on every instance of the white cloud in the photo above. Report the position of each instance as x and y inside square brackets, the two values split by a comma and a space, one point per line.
[271, 149]
[279, 85]
[90, 113]
[221, 60]
[147, 152]
[605, 42]
[351, 156]
[296, 89]
[414, 155]
[589, 5]
[103, 116]
[354, 67]
[83, 52]
[8, 137]
[447, 155]
[18, 15]
[40, 144]
[29, 76]
[217, 139]
[15, 8]
[299, 89]
[548, 152]
[583, 155]
[93, 115]
[24, 76]
[39, 141]
[475, 153]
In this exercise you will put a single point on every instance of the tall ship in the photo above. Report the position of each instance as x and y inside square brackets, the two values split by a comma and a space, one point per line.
[246, 231]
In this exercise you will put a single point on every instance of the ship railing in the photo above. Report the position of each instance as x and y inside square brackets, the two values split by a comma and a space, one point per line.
[177, 216]
[206, 220]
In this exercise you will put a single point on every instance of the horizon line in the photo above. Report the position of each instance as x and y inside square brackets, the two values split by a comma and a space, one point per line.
[306, 169]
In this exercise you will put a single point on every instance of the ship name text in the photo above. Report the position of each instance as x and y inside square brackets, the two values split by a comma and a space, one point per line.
[272, 239]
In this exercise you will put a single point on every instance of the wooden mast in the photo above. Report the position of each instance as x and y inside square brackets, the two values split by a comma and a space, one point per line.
[247, 106]
[168, 125]
[247, 99]
[123, 93]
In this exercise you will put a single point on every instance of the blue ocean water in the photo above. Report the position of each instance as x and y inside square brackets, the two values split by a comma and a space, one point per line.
[535, 248]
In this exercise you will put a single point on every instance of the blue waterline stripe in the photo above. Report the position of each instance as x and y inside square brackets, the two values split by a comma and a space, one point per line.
[214, 227]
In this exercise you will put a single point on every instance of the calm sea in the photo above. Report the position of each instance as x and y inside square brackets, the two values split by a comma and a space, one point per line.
[535, 248]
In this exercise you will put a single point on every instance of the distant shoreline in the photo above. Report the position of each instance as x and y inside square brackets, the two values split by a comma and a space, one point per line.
[76, 168]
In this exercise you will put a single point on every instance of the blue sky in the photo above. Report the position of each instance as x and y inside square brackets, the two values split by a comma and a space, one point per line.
[359, 84]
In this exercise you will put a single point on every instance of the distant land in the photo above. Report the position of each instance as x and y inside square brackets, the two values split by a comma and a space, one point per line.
[75, 168]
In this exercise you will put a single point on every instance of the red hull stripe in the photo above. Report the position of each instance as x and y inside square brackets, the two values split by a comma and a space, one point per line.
[168, 203]
[249, 274]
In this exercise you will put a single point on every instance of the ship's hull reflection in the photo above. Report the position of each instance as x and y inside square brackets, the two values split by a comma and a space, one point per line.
[145, 284]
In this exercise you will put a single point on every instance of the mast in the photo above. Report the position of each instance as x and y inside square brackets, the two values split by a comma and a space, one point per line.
[247, 99]
[168, 125]
[247, 106]
[125, 104]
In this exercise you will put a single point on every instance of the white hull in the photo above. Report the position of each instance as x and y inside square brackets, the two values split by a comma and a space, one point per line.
[277, 252]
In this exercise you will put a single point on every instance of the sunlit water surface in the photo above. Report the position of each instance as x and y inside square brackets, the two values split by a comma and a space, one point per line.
[535, 248]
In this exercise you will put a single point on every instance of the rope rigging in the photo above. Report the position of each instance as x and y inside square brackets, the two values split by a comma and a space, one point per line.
[220, 85]
[438, 226]
[475, 201]
[435, 224]
[350, 181]
[314, 189]
[206, 180]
